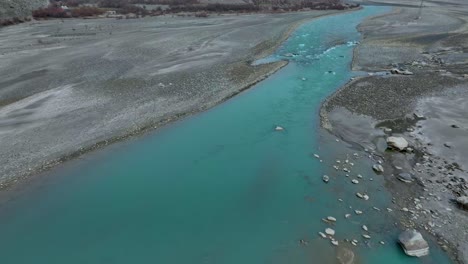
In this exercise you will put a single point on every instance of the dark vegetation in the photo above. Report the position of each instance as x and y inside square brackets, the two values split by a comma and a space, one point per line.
[137, 8]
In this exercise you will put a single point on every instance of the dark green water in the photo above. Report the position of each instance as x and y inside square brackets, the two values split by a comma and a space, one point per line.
[220, 187]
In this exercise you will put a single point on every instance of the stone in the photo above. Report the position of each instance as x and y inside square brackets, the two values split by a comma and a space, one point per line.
[397, 143]
[413, 243]
[364, 227]
[378, 168]
[345, 256]
[418, 116]
[331, 218]
[358, 212]
[325, 178]
[354, 181]
[463, 201]
[330, 232]
[400, 72]
[334, 242]
[347, 215]
[322, 235]
[387, 130]
[278, 128]
[382, 242]
[405, 177]
[366, 236]
[317, 156]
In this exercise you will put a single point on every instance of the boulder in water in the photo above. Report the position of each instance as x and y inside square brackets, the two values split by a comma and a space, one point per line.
[413, 243]
[278, 128]
[378, 168]
[398, 143]
[325, 178]
[330, 232]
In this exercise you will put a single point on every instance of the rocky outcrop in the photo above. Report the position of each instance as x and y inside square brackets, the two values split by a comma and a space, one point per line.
[413, 243]
[398, 143]
[19, 9]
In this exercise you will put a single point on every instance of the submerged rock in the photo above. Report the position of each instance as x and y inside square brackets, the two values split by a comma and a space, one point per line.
[345, 256]
[398, 143]
[413, 243]
[405, 177]
[278, 128]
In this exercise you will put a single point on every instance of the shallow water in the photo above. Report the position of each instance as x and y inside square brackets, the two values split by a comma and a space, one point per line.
[219, 187]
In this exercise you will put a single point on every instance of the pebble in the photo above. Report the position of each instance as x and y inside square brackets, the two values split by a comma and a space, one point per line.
[334, 242]
[358, 212]
[381, 242]
[359, 176]
[366, 236]
[347, 215]
[354, 181]
[404, 209]
[364, 227]
[322, 235]
[331, 218]
[375, 208]
[278, 128]
[325, 178]
[317, 156]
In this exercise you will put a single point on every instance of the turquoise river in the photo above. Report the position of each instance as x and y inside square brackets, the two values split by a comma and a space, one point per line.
[222, 186]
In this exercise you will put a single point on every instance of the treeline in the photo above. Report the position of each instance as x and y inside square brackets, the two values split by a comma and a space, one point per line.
[57, 12]
[88, 8]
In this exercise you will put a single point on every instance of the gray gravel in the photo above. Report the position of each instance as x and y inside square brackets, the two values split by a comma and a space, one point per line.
[67, 87]
[435, 48]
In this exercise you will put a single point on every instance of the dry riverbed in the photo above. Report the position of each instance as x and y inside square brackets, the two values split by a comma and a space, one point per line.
[427, 108]
[67, 87]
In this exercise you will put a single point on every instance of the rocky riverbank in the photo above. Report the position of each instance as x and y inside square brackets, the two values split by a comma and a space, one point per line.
[426, 105]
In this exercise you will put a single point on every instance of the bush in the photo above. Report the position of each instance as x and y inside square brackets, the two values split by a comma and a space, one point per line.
[201, 14]
[50, 11]
[86, 12]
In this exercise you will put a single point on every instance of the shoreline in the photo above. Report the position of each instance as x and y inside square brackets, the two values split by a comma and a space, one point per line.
[271, 68]
[430, 205]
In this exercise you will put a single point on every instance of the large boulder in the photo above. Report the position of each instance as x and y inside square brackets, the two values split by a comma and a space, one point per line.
[413, 243]
[463, 201]
[405, 177]
[398, 143]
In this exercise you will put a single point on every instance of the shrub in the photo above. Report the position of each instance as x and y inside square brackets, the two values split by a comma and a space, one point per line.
[51, 11]
[86, 11]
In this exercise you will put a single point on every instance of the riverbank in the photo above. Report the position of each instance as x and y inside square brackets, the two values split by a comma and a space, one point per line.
[79, 85]
[427, 108]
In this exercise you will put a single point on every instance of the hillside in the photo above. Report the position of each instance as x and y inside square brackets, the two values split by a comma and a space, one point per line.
[21, 9]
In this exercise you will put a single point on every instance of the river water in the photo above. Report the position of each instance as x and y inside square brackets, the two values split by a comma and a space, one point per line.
[221, 186]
